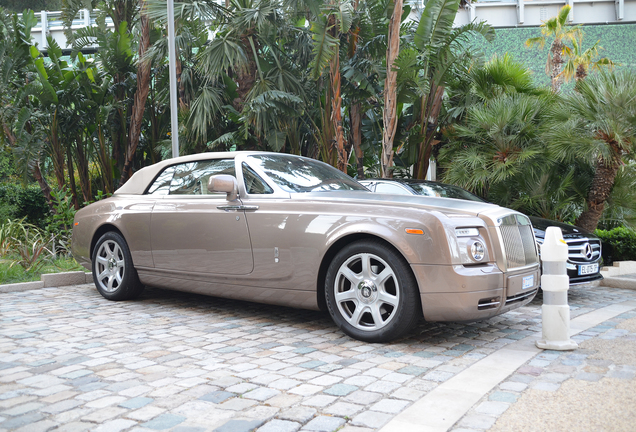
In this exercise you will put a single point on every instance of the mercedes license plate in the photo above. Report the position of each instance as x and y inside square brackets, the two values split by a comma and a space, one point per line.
[527, 282]
[587, 269]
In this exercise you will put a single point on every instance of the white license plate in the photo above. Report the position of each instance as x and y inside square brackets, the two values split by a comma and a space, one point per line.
[527, 282]
[587, 269]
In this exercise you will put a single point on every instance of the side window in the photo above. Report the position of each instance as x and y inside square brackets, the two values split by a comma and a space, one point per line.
[253, 183]
[390, 189]
[190, 178]
[161, 185]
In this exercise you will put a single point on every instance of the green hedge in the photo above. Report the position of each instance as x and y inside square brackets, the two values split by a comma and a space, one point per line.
[17, 202]
[619, 244]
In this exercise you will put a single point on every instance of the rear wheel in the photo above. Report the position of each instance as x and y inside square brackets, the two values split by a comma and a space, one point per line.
[371, 292]
[113, 271]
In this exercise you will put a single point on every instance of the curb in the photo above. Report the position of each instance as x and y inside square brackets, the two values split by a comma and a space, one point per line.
[621, 275]
[50, 280]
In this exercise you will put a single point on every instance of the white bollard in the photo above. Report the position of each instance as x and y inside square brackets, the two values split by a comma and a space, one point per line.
[555, 284]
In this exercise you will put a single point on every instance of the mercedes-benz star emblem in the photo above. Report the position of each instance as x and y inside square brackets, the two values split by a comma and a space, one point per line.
[587, 250]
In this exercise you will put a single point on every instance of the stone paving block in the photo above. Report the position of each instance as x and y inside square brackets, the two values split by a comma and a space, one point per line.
[61, 406]
[241, 388]
[341, 389]
[75, 427]
[306, 389]
[391, 406]
[284, 384]
[237, 404]
[407, 394]
[499, 396]
[115, 425]
[23, 420]
[100, 416]
[22, 409]
[298, 414]
[136, 403]
[513, 386]
[384, 387]
[477, 421]
[41, 426]
[164, 421]
[239, 426]
[146, 413]
[371, 419]
[217, 396]
[492, 408]
[319, 401]
[324, 424]
[586, 376]
[344, 409]
[105, 401]
[261, 394]
[279, 426]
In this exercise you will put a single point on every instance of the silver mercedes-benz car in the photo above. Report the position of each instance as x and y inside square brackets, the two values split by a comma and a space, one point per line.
[289, 230]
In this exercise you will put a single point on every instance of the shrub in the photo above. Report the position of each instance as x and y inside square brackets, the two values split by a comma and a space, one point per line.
[619, 244]
[17, 202]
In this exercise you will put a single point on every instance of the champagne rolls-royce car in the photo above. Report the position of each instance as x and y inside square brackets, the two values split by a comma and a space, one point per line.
[584, 249]
[290, 230]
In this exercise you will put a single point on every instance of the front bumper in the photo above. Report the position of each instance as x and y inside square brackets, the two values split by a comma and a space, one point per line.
[468, 293]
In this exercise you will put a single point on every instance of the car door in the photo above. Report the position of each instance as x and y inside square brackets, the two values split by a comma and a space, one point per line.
[191, 229]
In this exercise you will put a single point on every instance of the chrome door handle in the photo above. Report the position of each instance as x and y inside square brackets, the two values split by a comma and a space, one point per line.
[237, 208]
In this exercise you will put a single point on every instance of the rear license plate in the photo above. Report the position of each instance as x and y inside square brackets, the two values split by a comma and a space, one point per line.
[527, 282]
[587, 269]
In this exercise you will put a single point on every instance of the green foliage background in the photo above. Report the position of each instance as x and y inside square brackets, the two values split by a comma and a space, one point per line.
[618, 244]
[617, 41]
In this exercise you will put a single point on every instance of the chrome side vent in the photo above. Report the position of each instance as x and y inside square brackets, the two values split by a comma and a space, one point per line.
[518, 241]
[489, 303]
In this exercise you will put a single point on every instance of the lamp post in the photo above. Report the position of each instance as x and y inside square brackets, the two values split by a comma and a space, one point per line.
[172, 67]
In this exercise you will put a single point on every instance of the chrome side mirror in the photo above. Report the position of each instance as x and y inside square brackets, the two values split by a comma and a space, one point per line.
[224, 183]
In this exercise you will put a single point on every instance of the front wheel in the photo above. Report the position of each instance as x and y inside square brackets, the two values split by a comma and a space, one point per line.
[371, 292]
[113, 271]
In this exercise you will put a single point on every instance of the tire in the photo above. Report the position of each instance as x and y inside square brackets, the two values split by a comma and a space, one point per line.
[113, 272]
[371, 292]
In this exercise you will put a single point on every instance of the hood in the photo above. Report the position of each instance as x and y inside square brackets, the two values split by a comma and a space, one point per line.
[569, 231]
[444, 205]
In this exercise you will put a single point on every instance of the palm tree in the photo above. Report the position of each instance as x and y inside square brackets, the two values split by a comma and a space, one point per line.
[604, 105]
[328, 28]
[557, 28]
[499, 142]
[390, 116]
[578, 62]
[444, 51]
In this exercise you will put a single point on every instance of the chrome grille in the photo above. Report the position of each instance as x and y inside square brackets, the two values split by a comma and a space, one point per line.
[518, 241]
[579, 253]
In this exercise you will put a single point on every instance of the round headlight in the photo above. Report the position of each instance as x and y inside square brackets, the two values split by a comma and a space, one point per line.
[477, 251]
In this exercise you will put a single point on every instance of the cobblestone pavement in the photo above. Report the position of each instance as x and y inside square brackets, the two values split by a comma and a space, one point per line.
[71, 361]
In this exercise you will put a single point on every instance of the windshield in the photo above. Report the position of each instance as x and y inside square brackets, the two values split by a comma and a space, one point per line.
[299, 174]
[443, 191]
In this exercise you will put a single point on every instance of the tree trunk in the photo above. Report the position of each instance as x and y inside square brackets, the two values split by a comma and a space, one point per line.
[356, 137]
[246, 79]
[82, 170]
[57, 153]
[390, 92]
[602, 184]
[141, 95]
[336, 114]
[555, 65]
[429, 129]
[71, 178]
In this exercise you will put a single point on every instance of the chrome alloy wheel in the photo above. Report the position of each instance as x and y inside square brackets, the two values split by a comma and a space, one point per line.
[110, 266]
[366, 292]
